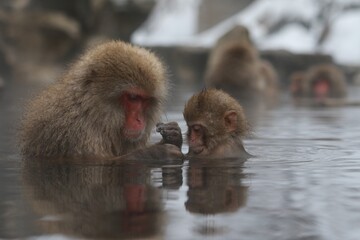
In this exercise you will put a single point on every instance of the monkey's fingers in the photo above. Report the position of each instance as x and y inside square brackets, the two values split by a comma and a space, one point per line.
[171, 133]
[171, 124]
[174, 152]
[161, 127]
[172, 137]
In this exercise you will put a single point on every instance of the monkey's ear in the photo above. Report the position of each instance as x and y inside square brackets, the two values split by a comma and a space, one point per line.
[231, 120]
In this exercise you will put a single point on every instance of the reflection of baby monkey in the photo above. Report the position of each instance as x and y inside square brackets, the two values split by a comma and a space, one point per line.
[216, 187]
[216, 125]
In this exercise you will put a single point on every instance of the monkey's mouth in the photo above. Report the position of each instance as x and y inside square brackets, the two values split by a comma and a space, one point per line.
[133, 135]
[196, 150]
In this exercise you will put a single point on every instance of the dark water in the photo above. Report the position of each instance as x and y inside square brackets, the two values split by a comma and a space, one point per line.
[303, 183]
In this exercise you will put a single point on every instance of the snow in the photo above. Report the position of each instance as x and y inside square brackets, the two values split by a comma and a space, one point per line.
[174, 22]
[264, 13]
[344, 42]
[293, 37]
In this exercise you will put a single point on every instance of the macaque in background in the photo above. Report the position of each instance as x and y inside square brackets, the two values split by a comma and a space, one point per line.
[238, 34]
[104, 106]
[235, 66]
[324, 81]
[216, 124]
[321, 84]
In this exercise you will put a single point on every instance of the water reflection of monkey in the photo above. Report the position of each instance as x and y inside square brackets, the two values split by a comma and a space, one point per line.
[215, 186]
[95, 201]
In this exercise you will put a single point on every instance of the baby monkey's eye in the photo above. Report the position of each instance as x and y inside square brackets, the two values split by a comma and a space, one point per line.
[196, 128]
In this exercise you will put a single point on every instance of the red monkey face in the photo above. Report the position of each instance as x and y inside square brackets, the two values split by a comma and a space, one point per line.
[134, 102]
[196, 133]
[321, 88]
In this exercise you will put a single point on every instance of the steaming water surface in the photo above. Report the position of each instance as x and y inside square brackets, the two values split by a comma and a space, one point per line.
[302, 183]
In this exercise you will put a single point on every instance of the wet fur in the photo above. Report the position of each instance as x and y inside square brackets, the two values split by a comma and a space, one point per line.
[80, 115]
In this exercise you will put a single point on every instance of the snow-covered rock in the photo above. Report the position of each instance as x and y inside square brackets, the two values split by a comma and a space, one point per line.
[300, 26]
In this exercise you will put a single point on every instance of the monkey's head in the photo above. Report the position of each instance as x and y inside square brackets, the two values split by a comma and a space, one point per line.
[125, 83]
[238, 34]
[213, 118]
[325, 81]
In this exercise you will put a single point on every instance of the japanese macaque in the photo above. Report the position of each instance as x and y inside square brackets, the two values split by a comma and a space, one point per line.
[235, 66]
[105, 106]
[238, 34]
[216, 124]
[322, 84]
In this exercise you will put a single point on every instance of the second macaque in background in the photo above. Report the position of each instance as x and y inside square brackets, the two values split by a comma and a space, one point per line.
[235, 66]
[320, 85]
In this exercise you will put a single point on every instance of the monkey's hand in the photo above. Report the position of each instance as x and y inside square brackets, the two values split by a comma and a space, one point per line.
[157, 154]
[171, 133]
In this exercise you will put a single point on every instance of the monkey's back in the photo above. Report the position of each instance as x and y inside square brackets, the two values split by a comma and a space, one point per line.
[65, 121]
[54, 124]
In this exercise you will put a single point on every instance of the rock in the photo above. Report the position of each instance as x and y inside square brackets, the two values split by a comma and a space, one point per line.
[286, 62]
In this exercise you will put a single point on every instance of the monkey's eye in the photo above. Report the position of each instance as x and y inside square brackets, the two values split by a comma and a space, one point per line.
[196, 128]
[133, 97]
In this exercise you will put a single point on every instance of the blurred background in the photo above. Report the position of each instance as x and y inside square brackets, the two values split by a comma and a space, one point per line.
[39, 37]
